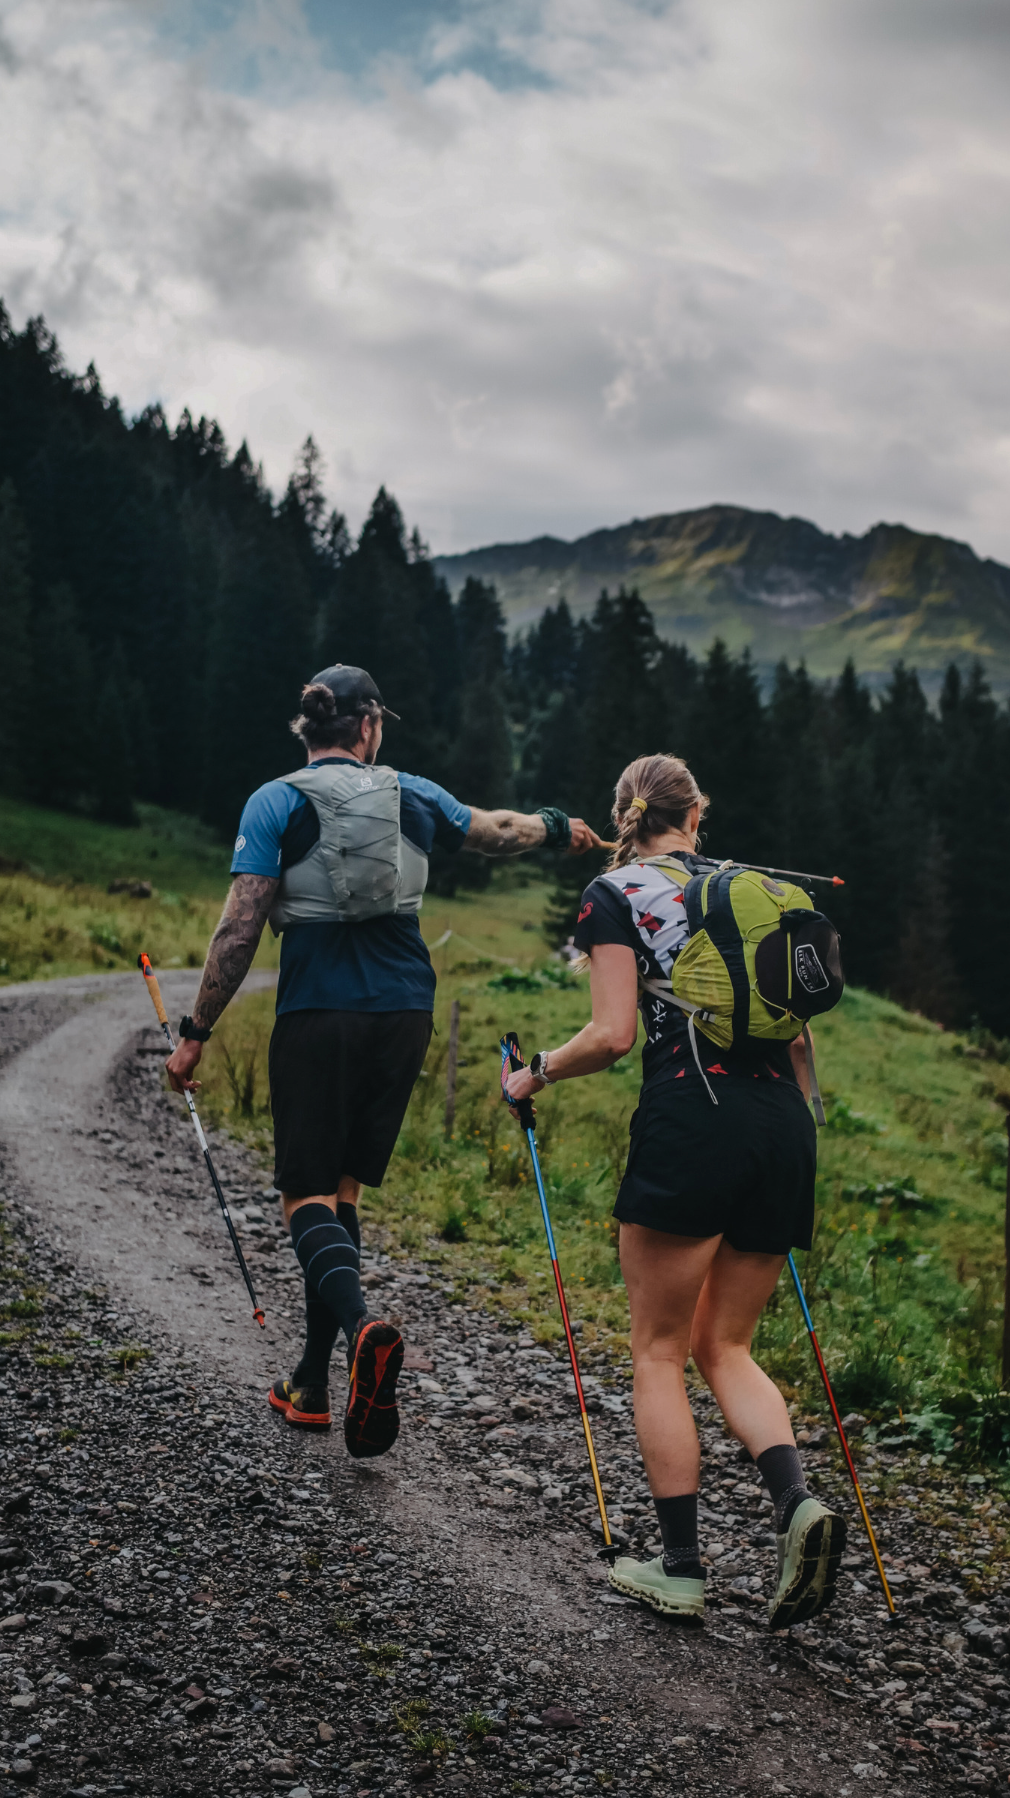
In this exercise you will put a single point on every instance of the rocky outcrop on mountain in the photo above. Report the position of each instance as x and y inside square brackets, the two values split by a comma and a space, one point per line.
[779, 586]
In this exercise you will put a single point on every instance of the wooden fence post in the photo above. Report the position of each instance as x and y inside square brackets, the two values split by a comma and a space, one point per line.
[450, 1068]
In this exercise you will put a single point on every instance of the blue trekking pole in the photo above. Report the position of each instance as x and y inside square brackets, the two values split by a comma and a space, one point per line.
[511, 1060]
[854, 1477]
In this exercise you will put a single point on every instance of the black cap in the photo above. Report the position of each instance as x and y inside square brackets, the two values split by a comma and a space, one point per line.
[350, 688]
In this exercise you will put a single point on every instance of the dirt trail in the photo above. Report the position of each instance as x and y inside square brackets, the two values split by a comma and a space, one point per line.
[459, 1547]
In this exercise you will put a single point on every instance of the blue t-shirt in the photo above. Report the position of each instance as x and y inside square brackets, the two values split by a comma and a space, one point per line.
[380, 965]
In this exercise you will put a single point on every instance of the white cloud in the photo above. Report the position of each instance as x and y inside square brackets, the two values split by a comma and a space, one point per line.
[751, 250]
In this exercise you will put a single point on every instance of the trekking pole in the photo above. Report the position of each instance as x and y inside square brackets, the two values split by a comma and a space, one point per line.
[834, 880]
[143, 963]
[854, 1477]
[511, 1060]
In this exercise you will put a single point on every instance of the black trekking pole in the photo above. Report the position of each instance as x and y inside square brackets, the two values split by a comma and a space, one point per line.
[511, 1060]
[834, 880]
[144, 964]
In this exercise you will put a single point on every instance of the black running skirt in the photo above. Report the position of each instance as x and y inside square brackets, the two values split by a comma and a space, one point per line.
[743, 1169]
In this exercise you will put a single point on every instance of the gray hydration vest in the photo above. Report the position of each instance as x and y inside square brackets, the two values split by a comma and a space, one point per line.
[356, 869]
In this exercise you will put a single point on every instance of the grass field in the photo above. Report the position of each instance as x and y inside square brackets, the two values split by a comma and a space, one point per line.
[57, 917]
[906, 1271]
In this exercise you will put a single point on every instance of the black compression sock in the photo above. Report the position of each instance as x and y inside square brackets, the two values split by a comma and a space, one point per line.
[348, 1216]
[678, 1526]
[321, 1332]
[329, 1262]
[782, 1471]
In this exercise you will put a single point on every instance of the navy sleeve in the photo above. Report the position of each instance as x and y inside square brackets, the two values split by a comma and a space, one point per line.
[605, 916]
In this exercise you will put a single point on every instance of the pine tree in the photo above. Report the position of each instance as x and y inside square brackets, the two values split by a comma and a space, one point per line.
[113, 762]
[731, 758]
[15, 658]
[925, 976]
[63, 767]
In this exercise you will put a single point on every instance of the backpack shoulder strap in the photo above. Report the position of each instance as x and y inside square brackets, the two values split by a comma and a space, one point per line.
[724, 932]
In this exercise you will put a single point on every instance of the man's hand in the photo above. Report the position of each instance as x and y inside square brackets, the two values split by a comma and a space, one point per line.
[179, 1066]
[512, 833]
[582, 838]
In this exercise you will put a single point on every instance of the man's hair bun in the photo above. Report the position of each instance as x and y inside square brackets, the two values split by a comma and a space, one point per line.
[321, 726]
[318, 703]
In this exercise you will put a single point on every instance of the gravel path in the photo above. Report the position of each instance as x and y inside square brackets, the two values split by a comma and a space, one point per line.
[197, 1600]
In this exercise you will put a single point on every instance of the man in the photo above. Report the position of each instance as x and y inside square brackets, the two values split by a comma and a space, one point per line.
[337, 857]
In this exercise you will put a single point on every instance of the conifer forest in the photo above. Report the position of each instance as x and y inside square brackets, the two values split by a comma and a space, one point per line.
[160, 610]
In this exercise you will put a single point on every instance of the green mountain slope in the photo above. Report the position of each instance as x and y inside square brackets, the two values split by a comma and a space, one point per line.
[778, 586]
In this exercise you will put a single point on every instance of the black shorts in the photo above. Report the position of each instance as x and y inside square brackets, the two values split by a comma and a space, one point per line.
[743, 1169]
[340, 1083]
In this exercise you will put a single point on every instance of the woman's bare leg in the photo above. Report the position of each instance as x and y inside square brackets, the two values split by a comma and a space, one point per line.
[664, 1276]
[735, 1293]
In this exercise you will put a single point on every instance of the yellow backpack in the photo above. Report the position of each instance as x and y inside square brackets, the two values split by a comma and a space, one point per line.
[759, 964]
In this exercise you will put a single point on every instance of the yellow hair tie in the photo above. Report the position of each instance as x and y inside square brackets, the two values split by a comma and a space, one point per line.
[638, 805]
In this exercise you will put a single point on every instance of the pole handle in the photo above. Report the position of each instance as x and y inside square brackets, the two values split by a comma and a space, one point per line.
[511, 1057]
[144, 964]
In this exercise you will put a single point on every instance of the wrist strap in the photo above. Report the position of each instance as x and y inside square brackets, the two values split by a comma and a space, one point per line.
[558, 826]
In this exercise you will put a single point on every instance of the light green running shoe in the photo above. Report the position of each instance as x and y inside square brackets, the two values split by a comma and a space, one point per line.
[809, 1555]
[647, 1581]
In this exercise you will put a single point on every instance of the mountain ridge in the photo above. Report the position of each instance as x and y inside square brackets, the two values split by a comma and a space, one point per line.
[778, 586]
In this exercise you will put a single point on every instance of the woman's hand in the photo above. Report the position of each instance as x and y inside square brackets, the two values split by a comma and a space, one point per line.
[521, 1084]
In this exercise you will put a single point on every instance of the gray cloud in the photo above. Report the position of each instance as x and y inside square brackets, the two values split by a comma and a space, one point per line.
[749, 250]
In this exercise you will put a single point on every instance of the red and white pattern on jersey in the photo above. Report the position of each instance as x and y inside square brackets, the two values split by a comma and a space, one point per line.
[657, 906]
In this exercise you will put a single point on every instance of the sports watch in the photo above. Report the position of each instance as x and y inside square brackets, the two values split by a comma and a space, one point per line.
[538, 1067]
[194, 1032]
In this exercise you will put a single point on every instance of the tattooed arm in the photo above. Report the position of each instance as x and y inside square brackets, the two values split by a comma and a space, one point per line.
[229, 959]
[511, 833]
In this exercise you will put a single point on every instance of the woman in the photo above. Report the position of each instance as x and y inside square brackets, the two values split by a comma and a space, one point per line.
[712, 1200]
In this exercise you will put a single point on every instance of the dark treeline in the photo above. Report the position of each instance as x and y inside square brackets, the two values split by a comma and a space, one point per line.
[159, 612]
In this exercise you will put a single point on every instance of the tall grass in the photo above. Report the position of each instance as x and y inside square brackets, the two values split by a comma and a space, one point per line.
[57, 916]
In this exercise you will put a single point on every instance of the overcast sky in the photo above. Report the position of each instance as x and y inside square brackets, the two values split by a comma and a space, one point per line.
[537, 265]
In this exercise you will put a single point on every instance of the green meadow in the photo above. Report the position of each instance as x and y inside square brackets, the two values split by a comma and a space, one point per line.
[906, 1272]
[57, 916]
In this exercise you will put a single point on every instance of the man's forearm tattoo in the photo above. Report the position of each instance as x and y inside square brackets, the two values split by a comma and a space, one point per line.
[505, 833]
[233, 945]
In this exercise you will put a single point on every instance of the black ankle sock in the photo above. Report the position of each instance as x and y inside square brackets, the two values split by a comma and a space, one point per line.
[782, 1471]
[678, 1526]
[329, 1261]
[348, 1216]
[321, 1332]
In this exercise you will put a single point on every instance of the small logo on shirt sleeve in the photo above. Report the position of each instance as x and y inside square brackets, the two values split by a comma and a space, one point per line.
[586, 909]
[239, 844]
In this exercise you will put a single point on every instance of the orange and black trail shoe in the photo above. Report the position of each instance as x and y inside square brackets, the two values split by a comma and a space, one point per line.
[306, 1406]
[372, 1421]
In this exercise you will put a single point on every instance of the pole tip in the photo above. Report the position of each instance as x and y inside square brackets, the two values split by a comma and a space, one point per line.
[837, 881]
[609, 1553]
[259, 1318]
